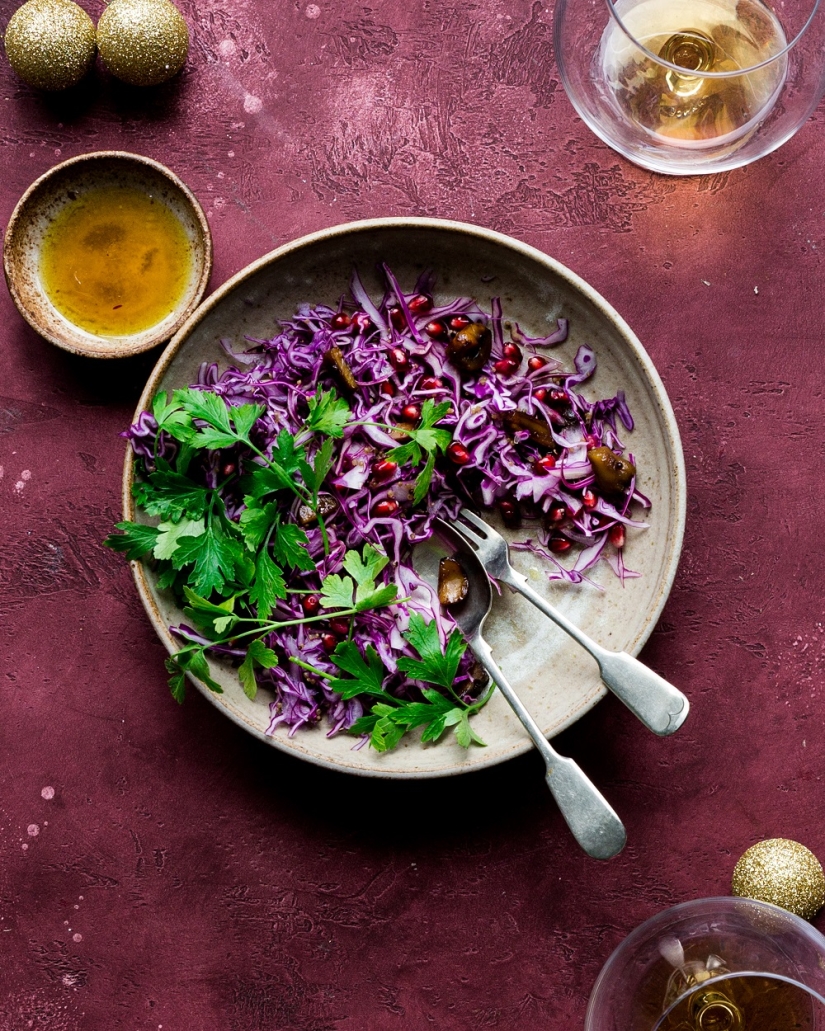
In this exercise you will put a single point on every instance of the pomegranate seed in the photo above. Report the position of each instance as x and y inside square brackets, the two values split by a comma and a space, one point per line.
[339, 626]
[591, 442]
[558, 397]
[388, 388]
[384, 508]
[509, 512]
[540, 394]
[411, 413]
[340, 321]
[459, 322]
[589, 500]
[431, 383]
[536, 362]
[544, 464]
[559, 545]
[310, 604]
[397, 318]
[616, 535]
[557, 513]
[435, 329]
[228, 469]
[329, 641]
[362, 321]
[384, 470]
[458, 454]
[512, 352]
[419, 304]
[399, 360]
[505, 367]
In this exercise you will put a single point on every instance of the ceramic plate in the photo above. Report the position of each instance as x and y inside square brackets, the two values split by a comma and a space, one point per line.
[557, 680]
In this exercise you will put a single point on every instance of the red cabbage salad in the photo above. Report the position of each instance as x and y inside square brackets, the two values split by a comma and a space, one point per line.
[284, 497]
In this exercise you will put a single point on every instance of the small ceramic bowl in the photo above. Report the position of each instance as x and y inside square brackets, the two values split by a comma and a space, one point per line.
[44, 201]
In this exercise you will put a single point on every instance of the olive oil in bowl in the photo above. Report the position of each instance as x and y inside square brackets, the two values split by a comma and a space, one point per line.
[107, 254]
[116, 260]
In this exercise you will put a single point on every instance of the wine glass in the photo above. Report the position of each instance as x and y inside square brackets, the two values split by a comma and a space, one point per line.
[717, 964]
[692, 86]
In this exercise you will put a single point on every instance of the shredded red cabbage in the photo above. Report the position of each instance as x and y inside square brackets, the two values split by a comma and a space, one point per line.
[396, 350]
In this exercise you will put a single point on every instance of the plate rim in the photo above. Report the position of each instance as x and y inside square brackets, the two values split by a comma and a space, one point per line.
[492, 236]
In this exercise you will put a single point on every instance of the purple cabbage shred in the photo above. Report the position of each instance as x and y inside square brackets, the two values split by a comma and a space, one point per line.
[396, 351]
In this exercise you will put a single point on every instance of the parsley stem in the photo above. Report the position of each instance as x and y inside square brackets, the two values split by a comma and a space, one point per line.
[302, 494]
[311, 669]
[478, 705]
[266, 628]
[368, 422]
[323, 527]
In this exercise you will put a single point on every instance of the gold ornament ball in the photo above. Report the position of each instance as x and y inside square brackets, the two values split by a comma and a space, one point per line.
[143, 42]
[783, 872]
[50, 44]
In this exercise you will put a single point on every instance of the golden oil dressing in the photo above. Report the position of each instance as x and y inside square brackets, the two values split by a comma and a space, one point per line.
[116, 261]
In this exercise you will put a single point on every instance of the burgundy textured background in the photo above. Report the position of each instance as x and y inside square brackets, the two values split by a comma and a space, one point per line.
[183, 876]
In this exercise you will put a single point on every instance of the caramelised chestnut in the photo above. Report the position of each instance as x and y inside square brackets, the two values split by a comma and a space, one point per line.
[538, 429]
[470, 347]
[335, 357]
[452, 582]
[613, 473]
[308, 516]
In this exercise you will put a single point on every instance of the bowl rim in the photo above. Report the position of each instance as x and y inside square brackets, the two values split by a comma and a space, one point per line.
[83, 343]
[500, 239]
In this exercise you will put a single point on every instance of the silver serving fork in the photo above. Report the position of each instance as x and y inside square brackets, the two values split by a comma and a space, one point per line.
[659, 705]
[590, 817]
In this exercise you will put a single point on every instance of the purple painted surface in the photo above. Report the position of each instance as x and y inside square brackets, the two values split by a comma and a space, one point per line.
[161, 870]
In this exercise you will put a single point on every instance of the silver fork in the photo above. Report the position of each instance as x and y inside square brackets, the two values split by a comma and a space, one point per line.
[659, 705]
[592, 820]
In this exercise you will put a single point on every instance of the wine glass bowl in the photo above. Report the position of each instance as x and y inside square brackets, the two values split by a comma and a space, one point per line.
[692, 86]
[717, 964]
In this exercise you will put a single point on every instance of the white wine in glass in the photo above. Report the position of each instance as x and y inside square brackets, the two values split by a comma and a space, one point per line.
[692, 107]
[692, 86]
[719, 964]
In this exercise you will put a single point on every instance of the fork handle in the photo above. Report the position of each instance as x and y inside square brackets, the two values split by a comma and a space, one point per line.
[659, 705]
[590, 817]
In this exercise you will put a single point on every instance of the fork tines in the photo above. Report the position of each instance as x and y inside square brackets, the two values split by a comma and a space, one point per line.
[465, 516]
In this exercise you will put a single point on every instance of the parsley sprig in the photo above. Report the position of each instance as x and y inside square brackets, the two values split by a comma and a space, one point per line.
[424, 439]
[328, 414]
[359, 590]
[390, 718]
[232, 573]
[221, 624]
[195, 531]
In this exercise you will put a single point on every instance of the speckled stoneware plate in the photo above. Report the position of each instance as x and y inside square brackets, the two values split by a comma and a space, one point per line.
[557, 680]
[43, 202]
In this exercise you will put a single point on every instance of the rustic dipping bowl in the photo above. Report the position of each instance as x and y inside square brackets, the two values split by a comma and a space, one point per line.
[46, 198]
[556, 679]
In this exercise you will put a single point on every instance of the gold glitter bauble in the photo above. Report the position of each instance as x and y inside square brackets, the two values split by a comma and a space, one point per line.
[783, 872]
[143, 42]
[50, 43]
